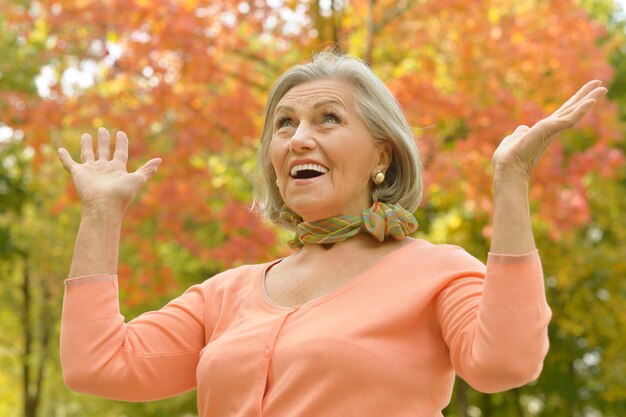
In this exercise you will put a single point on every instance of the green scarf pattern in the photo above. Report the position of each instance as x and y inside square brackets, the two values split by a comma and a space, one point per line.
[380, 221]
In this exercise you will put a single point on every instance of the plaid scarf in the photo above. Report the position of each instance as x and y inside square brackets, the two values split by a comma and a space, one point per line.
[380, 220]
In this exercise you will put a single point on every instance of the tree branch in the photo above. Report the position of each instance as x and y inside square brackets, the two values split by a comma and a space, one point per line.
[392, 14]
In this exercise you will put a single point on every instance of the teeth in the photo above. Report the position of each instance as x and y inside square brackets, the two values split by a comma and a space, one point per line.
[313, 167]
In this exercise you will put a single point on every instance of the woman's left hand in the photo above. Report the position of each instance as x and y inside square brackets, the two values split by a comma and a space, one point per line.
[519, 153]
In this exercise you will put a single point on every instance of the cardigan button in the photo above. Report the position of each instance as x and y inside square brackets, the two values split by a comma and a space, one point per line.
[267, 351]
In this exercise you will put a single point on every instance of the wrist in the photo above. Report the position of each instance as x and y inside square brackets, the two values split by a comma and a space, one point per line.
[103, 208]
[505, 181]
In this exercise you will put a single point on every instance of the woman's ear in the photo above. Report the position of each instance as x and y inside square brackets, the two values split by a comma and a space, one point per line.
[385, 153]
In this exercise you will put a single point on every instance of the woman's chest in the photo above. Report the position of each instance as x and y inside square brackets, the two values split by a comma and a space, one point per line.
[351, 336]
[291, 283]
[395, 311]
[292, 287]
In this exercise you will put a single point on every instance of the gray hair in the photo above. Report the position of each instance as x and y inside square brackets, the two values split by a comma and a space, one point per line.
[379, 110]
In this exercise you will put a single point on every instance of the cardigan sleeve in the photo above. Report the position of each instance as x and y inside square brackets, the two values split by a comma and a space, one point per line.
[494, 319]
[151, 357]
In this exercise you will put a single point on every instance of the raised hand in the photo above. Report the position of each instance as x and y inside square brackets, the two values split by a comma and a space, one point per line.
[519, 153]
[103, 183]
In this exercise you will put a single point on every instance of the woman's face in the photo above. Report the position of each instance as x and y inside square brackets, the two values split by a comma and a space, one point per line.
[323, 154]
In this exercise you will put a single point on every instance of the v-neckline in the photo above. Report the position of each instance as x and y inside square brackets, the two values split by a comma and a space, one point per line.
[267, 301]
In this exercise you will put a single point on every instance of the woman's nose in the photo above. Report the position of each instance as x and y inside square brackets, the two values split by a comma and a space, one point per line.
[303, 139]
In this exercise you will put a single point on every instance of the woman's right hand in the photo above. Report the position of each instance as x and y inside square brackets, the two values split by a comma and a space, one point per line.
[103, 183]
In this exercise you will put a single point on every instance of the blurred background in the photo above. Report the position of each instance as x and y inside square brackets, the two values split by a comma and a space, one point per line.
[187, 80]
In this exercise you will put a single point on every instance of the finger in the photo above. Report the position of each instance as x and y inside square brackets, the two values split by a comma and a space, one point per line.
[575, 116]
[595, 94]
[545, 131]
[121, 147]
[104, 144]
[66, 160]
[550, 127]
[86, 148]
[149, 168]
[521, 129]
[582, 92]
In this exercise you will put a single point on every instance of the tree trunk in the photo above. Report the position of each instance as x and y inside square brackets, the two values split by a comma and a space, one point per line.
[517, 403]
[371, 30]
[333, 22]
[461, 398]
[36, 344]
[486, 406]
[29, 408]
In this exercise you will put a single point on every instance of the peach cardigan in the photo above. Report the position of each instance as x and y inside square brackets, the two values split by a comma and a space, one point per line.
[388, 343]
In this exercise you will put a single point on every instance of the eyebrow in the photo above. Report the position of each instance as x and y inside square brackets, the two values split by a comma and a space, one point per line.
[282, 107]
[331, 101]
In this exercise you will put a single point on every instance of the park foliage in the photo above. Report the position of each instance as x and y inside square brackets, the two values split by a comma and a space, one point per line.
[187, 80]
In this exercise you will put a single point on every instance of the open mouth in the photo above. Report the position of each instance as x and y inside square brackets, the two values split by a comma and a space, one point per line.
[305, 171]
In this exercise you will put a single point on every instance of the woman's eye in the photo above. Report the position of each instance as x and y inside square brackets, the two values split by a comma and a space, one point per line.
[284, 122]
[330, 118]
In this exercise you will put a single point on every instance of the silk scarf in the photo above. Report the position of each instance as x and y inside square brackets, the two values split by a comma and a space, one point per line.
[380, 221]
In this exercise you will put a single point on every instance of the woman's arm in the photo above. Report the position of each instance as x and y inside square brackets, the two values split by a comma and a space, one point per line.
[105, 190]
[495, 322]
[151, 357]
[512, 231]
[514, 161]
[96, 250]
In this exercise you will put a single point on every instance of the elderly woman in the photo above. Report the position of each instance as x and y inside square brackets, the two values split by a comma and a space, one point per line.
[361, 320]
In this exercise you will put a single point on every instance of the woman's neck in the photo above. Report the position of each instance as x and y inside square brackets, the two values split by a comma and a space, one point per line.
[357, 245]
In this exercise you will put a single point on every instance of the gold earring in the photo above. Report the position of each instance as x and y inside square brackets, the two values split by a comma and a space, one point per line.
[379, 177]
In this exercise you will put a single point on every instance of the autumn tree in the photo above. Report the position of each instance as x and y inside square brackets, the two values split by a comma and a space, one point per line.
[187, 80]
[29, 297]
[467, 74]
